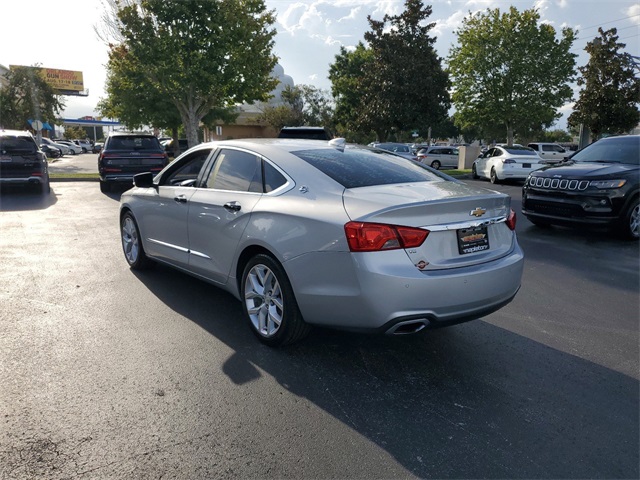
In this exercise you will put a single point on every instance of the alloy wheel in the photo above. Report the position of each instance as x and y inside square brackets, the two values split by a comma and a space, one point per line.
[264, 300]
[130, 240]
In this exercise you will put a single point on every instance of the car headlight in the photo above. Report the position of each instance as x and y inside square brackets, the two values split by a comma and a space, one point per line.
[601, 184]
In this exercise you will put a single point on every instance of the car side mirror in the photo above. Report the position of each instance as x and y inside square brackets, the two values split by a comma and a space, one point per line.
[143, 180]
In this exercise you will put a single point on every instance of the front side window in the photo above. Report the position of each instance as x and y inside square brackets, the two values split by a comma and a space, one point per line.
[236, 170]
[188, 168]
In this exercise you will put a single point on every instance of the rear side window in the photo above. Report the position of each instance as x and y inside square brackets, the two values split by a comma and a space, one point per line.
[358, 167]
[236, 170]
[17, 144]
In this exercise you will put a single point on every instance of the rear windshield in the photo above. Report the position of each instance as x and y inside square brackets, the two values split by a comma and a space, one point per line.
[359, 167]
[133, 143]
[520, 150]
[10, 144]
[611, 150]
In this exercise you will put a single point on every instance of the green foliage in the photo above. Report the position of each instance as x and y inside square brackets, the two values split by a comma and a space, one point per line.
[200, 56]
[608, 103]
[27, 96]
[510, 72]
[397, 82]
[301, 105]
[74, 133]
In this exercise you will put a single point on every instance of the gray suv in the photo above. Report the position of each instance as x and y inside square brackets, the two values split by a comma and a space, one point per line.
[21, 161]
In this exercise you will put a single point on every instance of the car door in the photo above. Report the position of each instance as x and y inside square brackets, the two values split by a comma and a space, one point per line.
[220, 211]
[482, 163]
[163, 211]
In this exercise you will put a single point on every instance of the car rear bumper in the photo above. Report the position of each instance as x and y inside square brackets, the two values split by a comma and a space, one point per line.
[383, 290]
[30, 180]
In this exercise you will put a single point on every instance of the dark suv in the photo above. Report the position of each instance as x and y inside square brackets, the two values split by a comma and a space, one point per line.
[126, 154]
[310, 133]
[21, 161]
[598, 186]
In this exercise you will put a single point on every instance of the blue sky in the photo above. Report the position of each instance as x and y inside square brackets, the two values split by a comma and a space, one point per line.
[60, 33]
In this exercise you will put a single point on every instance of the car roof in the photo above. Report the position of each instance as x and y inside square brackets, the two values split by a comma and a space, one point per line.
[129, 134]
[15, 132]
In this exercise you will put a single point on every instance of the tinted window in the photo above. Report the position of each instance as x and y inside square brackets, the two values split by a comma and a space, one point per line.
[236, 170]
[308, 133]
[10, 144]
[611, 150]
[359, 167]
[189, 168]
[273, 179]
[520, 151]
[133, 143]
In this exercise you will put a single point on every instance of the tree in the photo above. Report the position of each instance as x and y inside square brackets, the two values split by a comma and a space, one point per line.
[608, 103]
[397, 81]
[200, 55]
[27, 96]
[510, 70]
[74, 133]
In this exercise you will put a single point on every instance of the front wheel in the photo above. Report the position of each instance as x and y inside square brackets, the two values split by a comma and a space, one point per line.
[132, 244]
[474, 172]
[269, 303]
[630, 226]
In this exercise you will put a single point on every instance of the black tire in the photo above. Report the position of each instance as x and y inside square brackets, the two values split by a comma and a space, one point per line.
[436, 164]
[132, 246]
[630, 222]
[269, 304]
[474, 172]
[494, 176]
[104, 187]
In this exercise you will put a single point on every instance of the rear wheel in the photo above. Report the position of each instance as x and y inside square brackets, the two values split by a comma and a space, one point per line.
[630, 226]
[435, 164]
[269, 303]
[132, 243]
[494, 176]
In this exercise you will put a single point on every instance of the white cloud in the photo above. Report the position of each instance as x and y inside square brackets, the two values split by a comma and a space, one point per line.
[353, 14]
[634, 11]
[448, 24]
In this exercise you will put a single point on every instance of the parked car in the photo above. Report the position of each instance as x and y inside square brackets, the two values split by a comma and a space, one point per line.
[437, 157]
[598, 186]
[84, 144]
[322, 233]
[310, 133]
[506, 163]
[97, 147]
[401, 149]
[73, 148]
[50, 152]
[63, 148]
[551, 152]
[125, 154]
[21, 161]
[168, 145]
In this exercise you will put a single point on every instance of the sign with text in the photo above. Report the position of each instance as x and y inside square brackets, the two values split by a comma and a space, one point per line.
[61, 80]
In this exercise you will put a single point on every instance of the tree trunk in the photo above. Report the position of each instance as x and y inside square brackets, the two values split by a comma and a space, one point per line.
[509, 134]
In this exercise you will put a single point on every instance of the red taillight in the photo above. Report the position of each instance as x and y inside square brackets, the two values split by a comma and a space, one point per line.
[372, 237]
[511, 220]
[508, 160]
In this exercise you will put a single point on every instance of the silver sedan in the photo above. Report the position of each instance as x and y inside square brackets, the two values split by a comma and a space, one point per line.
[305, 232]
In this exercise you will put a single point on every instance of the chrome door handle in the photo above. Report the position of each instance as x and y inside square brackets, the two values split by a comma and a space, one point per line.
[233, 206]
[180, 199]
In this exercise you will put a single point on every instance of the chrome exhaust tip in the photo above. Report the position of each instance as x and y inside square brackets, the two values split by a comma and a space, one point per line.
[407, 328]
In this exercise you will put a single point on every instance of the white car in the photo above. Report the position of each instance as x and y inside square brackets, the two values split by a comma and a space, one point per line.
[84, 144]
[74, 149]
[63, 148]
[506, 163]
[552, 152]
[437, 157]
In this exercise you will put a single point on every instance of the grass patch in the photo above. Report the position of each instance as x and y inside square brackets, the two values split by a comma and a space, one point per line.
[73, 176]
[454, 172]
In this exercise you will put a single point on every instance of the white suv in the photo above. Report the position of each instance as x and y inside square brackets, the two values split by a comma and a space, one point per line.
[551, 152]
[437, 157]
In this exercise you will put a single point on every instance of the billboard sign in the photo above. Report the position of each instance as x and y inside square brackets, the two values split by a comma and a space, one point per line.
[67, 82]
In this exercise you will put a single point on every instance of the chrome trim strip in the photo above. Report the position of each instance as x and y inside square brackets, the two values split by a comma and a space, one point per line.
[466, 224]
[199, 254]
[169, 245]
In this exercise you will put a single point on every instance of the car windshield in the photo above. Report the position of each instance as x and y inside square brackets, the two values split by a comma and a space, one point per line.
[611, 150]
[134, 143]
[359, 167]
[17, 144]
[520, 150]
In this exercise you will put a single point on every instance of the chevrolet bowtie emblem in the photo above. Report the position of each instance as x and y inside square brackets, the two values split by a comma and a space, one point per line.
[478, 212]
